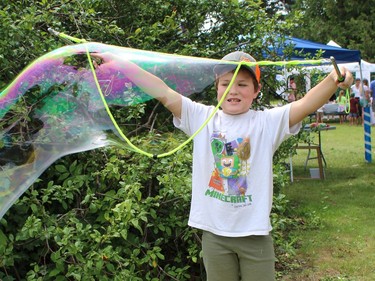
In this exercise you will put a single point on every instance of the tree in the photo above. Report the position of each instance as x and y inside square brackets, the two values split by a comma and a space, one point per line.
[348, 23]
[25, 36]
[111, 214]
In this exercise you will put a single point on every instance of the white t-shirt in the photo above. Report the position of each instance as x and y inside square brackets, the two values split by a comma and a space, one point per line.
[365, 89]
[356, 91]
[232, 167]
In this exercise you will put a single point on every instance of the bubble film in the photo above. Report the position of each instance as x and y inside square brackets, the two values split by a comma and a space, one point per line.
[54, 107]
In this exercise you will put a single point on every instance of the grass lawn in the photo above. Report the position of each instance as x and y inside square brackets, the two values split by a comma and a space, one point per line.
[341, 246]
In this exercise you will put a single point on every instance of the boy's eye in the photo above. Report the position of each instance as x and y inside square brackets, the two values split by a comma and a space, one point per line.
[242, 85]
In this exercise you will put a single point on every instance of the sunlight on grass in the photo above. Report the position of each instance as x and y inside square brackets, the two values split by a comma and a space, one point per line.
[342, 246]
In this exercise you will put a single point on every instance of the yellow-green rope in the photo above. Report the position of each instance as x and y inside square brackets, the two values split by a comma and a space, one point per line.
[239, 64]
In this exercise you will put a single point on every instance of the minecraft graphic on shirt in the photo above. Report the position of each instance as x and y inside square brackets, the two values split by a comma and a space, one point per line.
[231, 164]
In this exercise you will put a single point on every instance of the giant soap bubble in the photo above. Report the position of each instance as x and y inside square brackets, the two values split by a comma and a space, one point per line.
[54, 107]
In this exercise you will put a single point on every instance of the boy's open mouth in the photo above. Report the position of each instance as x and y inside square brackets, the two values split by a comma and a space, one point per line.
[233, 100]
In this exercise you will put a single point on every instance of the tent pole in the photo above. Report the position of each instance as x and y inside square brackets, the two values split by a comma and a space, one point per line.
[366, 122]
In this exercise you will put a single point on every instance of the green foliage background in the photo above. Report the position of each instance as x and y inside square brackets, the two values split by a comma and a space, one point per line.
[348, 23]
[110, 214]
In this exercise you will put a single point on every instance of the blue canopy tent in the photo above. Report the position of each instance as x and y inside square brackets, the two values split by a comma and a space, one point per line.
[305, 47]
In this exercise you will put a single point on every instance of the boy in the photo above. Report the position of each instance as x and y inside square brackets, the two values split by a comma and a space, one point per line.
[232, 163]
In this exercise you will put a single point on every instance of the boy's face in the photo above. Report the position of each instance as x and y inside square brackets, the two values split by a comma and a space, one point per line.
[240, 96]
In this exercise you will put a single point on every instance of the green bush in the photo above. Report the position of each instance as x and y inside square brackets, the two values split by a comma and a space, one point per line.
[111, 214]
[107, 213]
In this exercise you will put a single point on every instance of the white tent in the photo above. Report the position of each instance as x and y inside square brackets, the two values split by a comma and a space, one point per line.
[362, 70]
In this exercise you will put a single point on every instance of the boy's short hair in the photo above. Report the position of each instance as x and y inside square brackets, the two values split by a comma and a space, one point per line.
[238, 56]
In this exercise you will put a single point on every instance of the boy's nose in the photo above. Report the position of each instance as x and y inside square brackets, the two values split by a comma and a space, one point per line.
[233, 90]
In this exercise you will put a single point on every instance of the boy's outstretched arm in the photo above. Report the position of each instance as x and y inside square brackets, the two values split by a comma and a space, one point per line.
[147, 82]
[318, 96]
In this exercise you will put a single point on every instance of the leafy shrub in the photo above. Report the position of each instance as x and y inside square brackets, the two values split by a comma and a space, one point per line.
[114, 215]
[108, 214]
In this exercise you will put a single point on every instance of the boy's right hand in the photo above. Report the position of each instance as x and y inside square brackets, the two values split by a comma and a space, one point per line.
[348, 81]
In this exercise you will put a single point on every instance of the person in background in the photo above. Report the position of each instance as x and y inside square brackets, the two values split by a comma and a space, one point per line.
[372, 91]
[320, 114]
[232, 180]
[357, 90]
[341, 101]
[292, 90]
[353, 113]
[365, 88]
[365, 100]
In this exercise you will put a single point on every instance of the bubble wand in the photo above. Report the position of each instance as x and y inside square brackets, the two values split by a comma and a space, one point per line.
[341, 78]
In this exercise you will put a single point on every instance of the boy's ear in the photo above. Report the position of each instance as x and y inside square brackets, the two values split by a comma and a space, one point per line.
[257, 91]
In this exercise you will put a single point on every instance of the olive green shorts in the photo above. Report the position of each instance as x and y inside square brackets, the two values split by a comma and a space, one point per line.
[250, 258]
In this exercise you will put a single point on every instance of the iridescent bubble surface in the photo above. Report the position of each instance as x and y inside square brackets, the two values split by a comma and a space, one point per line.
[54, 108]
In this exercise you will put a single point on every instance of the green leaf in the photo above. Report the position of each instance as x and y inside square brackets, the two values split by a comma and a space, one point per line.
[110, 267]
[61, 168]
[138, 30]
[55, 256]
[3, 239]
[54, 272]
[34, 208]
[124, 233]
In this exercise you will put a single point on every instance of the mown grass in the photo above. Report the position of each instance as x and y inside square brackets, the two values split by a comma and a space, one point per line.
[337, 241]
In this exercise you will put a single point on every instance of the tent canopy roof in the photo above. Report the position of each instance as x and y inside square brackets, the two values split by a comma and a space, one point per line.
[341, 55]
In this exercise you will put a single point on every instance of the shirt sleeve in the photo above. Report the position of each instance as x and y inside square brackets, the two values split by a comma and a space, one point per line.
[193, 115]
[279, 129]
